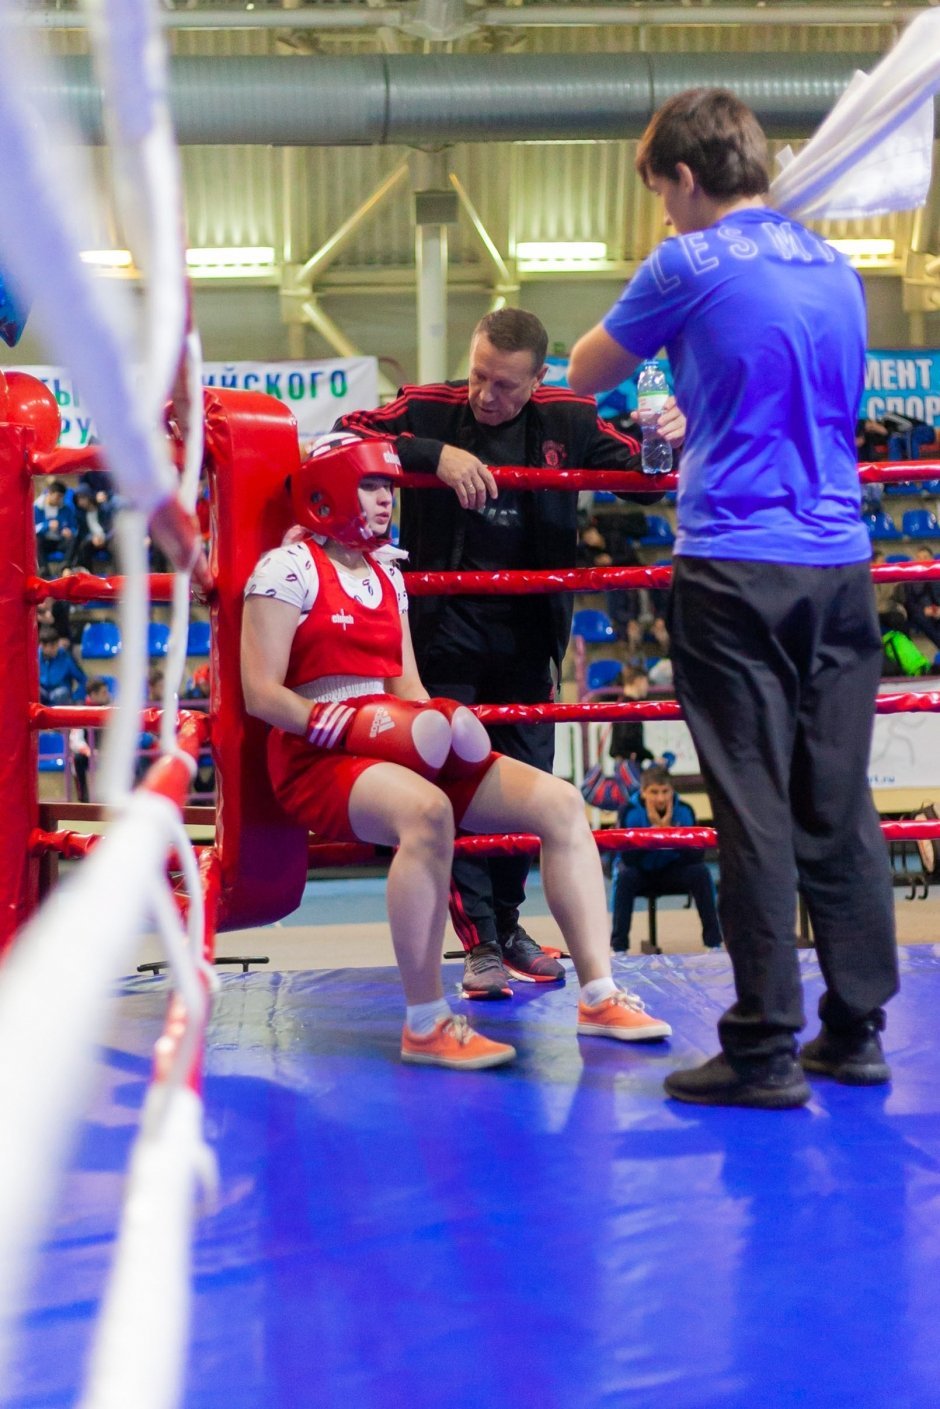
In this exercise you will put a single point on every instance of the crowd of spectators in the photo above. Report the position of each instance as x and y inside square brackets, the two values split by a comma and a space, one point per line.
[907, 612]
[74, 525]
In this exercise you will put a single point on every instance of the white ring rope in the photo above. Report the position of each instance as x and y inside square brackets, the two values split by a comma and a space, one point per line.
[189, 489]
[119, 753]
[56, 981]
[138, 1357]
[54, 998]
[88, 324]
[130, 58]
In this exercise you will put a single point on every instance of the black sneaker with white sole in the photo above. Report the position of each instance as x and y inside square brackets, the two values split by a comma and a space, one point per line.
[484, 973]
[526, 960]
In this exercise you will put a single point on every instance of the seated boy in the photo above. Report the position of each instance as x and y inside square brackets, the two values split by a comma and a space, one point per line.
[660, 872]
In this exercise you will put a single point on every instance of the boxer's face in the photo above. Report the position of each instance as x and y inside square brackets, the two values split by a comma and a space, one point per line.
[376, 501]
[500, 383]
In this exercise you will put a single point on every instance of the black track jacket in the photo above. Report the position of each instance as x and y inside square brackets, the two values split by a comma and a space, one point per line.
[561, 431]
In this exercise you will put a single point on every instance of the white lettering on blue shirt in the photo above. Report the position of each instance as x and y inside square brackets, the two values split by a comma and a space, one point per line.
[695, 248]
[664, 282]
[739, 246]
[786, 242]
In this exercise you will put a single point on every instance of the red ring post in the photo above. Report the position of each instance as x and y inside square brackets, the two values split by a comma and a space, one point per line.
[19, 652]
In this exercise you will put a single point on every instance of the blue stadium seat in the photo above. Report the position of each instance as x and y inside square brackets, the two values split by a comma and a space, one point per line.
[604, 496]
[897, 557]
[882, 525]
[902, 487]
[604, 672]
[658, 532]
[920, 523]
[930, 487]
[197, 640]
[51, 752]
[158, 639]
[591, 624]
[100, 640]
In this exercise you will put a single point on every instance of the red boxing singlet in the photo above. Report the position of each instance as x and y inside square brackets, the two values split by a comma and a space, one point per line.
[342, 636]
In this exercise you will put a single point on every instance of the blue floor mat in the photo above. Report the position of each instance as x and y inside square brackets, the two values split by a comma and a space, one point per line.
[553, 1234]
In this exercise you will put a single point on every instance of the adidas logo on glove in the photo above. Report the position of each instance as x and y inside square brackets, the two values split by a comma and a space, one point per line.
[382, 721]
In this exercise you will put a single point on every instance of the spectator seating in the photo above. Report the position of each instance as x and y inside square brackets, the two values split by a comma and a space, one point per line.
[920, 523]
[601, 673]
[902, 487]
[158, 639]
[51, 751]
[658, 532]
[923, 442]
[604, 496]
[100, 640]
[592, 625]
[197, 640]
[881, 525]
[907, 445]
[897, 557]
[929, 487]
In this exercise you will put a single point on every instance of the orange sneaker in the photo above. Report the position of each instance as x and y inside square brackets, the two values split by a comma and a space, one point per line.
[623, 1016]
[452, 1042]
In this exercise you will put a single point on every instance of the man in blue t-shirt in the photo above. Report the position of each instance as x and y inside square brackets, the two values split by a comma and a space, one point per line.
[775, 642]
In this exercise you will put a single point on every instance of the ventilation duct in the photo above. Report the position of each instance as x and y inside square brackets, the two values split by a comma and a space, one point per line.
[429, 99]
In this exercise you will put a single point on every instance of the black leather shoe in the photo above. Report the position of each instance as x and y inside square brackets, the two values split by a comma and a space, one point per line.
[855, 1059]
[766, 1083]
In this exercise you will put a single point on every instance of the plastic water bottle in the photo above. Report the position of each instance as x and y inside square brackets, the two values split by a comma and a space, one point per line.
[651, 394]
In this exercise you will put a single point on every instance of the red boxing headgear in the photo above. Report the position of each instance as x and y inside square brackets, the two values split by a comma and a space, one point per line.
[325, 490]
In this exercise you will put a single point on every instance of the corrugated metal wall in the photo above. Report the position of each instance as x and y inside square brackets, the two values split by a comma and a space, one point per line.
[295, 199]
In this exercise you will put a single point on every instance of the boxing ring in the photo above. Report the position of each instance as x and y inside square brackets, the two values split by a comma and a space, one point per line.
[556, 1232]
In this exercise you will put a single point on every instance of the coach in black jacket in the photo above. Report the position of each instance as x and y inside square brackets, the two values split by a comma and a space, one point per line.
[495, 650]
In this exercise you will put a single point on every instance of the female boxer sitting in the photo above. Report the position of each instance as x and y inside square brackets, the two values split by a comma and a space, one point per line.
[357, 751]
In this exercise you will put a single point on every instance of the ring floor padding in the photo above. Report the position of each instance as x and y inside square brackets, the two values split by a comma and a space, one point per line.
[554, 1234]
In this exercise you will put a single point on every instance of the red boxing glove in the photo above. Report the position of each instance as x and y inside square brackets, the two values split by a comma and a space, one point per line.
[470, 743]
[380, 726]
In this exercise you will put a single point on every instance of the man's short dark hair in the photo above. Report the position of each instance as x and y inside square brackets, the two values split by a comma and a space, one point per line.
[655, 777]
[48, 634]
[515, 330]
[715, 135]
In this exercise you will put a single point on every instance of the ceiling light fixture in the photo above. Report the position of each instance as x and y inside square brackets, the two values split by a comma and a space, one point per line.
[560, 254]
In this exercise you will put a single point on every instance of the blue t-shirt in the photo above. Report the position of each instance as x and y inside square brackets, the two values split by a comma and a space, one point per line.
[764, 324]
[634, 814]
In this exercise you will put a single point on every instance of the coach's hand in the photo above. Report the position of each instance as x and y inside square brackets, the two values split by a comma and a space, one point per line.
[468, 477]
